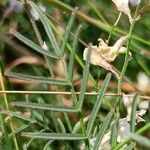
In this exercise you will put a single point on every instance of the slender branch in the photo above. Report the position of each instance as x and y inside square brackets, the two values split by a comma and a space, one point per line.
[115, 24]
[127, 54]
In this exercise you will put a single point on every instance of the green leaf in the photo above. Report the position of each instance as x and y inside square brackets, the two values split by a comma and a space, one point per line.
[48, 29]
[48, 144]
[19, 129]
[72, 56]
[36, 78]
[67, 31]
[54, 136]
[133, 112]
[103, 130]
[18, 115]
[61, 125]
[79, 125]
[32, 44]
[114, 131]
[42, 106]
[98, 104]
[141, 140]
[84, 81]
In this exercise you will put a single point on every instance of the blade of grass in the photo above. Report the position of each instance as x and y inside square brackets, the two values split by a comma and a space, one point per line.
[39, 79]
[47, 144]
[97, 104]
[133, 113]
[114, 131]
[33, 45]
[44, 106]
[84, 79]
[67, 31]
[141, 140]
[54, 136]
[78, 125]
[19, 129]
[32, 139]
[62, 127]
[48, 29]
[72, 56]
[103, 130]
[18, 115]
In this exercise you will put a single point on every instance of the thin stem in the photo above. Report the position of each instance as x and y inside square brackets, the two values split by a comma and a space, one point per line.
[7, 108]
[115, 24]
[69, 93]
[127, 54]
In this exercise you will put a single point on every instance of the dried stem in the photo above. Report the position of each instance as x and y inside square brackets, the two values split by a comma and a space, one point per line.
[142, 97]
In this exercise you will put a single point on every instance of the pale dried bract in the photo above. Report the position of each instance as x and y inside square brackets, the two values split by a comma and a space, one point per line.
[103, 54]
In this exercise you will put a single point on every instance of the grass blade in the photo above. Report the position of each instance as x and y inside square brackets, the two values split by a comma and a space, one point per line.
[39, 79]
[78, 125]
[72, 57]
[62, 127]
[103, 130]
[48, 29]
[133, 113]
[18, 115]
[98, 104]
[42, 106]
[19, 129]
[84, 80]
[54, 136]
[48, 144]
[114, 131]
[70, 23]
[33, 45]
[141, 140]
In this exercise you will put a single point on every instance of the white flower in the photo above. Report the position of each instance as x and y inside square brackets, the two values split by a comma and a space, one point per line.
[102, 54]
[123, 6]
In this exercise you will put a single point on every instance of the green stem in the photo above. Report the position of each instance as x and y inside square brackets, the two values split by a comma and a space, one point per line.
[115, 24]
[7, 108]
[127, 55]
